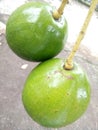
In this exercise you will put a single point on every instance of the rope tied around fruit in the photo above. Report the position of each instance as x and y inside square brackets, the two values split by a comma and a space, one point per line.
[69, 61]
[58, 13]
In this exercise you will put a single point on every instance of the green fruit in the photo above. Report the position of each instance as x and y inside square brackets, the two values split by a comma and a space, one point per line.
[33, 34]
[55, 97]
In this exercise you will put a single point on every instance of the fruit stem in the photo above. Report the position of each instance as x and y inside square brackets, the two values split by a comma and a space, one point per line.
[57, 13]
[69, 61]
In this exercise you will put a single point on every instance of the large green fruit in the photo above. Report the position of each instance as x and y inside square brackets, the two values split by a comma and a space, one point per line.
[55, 97]
[33, 34]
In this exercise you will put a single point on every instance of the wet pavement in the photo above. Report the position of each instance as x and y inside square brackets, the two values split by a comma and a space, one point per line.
[14, 70]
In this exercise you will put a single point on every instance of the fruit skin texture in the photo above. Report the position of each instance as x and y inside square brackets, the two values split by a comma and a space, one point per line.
[55, 97]
[33, 34]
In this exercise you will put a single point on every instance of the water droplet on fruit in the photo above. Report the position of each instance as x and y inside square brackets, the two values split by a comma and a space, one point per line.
[81, 93]
[57, 34]
[51, 29]
[32, 14]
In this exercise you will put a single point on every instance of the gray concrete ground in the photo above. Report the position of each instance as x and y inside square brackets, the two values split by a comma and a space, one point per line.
[13, 72]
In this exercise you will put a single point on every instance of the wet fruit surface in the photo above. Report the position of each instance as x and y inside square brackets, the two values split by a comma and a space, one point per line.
[33, 34]
[55, 97]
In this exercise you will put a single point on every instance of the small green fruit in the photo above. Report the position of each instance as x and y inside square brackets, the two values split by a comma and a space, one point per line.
[33, 34]
[55, 97]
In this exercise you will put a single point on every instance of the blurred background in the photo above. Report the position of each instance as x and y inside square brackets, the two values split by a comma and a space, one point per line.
[13, 70]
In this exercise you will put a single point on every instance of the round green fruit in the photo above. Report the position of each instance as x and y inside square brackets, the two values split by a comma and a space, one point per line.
[55, 97]
[33, 34]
